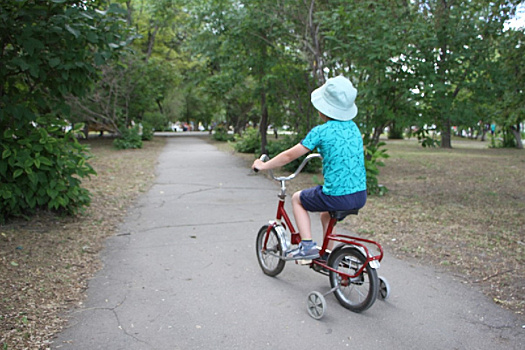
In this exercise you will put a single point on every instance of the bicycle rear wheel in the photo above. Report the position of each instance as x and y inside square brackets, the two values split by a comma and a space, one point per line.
[359, 293]
[269, 258]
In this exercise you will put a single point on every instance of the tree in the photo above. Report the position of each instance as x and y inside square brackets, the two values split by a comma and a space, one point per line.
[508, 77]
[451, 50]
[371, 43]
[49, 50]
[239, 41]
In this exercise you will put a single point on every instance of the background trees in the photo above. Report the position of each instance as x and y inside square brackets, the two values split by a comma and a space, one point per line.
[418, 65]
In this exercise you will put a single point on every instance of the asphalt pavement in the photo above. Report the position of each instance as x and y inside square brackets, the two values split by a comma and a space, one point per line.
[181, 273]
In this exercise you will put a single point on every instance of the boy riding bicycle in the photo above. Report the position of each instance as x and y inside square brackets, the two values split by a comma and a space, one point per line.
[340, 144]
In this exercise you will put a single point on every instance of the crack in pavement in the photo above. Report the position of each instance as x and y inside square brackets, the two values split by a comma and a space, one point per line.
[198, 225]
[117, 318]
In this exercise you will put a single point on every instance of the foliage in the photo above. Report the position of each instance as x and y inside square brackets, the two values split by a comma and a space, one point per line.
[147, 131]
[452, 57]
[156, 120]
[221, 134]
[426, 139]
[368, 39]
[129, 138]
[41, 168]
[502, 139]
[276, 147]
[506, 76]
[395, 132]
[373, 156]
[49, 51]
[250, 141]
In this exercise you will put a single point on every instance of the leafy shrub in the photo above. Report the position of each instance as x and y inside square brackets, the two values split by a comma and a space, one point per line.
[41, 167]
[156, 120]
[503, 139]
[395, 133]
[276, 147]
[147, 131]
[426, 140]
[250, 142]
[221, 134]
[373, 157]
[130, 138]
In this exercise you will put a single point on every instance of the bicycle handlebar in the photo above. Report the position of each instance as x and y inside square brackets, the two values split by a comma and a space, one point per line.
[265, 158]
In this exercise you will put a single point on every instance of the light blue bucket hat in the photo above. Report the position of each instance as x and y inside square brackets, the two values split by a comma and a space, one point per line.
[336, 99]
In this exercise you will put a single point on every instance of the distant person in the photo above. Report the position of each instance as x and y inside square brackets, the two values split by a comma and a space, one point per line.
[492, 129]
[340, 143]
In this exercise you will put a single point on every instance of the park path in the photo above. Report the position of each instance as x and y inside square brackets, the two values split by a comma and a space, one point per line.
[181, 273]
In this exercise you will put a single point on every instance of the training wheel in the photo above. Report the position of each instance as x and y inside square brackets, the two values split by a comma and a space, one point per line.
[384, 289]
[316, 305]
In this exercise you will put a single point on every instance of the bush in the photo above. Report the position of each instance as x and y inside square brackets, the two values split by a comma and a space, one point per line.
[41, 168]
[221, 134]
[250, 142]
[130, 138]
[423, 136]
[276, 147]
[503, 139]
[156, 120]
[395, 133]
[373, 157]
[147, 131]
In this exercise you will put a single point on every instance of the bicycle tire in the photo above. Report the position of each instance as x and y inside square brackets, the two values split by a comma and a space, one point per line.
[271, 265]
[359, 293]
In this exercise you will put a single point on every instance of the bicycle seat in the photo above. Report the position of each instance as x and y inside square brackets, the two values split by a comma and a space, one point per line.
[341, 214]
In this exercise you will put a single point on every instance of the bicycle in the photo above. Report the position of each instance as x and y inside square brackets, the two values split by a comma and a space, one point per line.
[351, 266]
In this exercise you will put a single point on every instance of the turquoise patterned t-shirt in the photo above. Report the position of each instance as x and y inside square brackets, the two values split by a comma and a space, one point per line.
[341, 145]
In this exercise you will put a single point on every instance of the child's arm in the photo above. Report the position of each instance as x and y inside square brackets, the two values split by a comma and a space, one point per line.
[282, 158]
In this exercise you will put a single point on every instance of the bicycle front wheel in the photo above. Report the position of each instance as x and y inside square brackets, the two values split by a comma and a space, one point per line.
[268, 258]
[358, 293]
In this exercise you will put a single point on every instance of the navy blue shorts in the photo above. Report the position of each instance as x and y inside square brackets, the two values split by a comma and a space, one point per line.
[313, 199]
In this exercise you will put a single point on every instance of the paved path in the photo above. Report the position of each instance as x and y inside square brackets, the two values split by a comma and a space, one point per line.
[182, 274]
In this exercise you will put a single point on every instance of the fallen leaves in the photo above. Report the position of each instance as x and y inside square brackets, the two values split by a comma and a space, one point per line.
[45, 262]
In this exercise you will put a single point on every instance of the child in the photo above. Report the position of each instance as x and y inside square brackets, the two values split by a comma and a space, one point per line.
[340, 143]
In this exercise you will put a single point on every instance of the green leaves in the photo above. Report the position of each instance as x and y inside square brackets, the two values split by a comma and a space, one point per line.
[44, 170]
[75, 32]
[373, 159]
[49, 52]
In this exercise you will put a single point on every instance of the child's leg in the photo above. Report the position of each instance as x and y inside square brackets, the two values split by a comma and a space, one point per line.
[302, 218]
[325, 221]
[307, 248]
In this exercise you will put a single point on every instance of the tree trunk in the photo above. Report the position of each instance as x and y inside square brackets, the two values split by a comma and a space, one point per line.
[377, 133]
[315, 47]
[159, 104]
[263, 126]
[445, 134]
[151, 41]
[129, 18]
[517, 135]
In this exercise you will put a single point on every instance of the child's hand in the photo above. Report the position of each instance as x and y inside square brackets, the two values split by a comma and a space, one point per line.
[257, 165]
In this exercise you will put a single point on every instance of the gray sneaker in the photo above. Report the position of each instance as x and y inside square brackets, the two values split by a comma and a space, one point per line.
[304, 251]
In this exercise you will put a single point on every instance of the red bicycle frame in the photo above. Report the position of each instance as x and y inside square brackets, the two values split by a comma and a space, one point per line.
[345, 239]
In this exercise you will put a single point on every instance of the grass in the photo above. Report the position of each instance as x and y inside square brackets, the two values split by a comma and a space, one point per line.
[461, 210]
